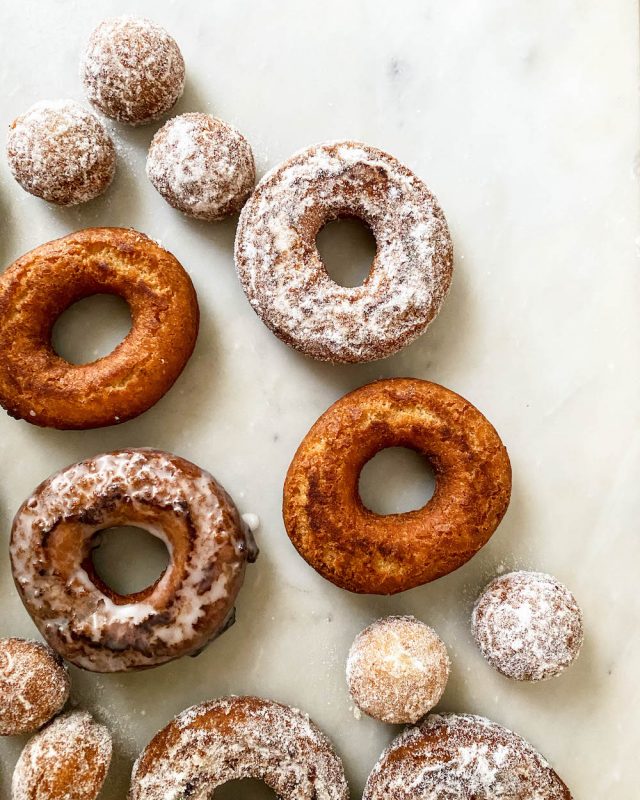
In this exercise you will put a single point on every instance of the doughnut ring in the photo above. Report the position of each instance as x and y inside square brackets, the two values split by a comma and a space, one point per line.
[461, 755]
[39, 386]
[191, 603]
[282, 273]
[383, 554]
[239, 737]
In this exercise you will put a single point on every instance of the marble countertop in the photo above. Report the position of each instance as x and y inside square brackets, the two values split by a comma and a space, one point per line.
[523, 119]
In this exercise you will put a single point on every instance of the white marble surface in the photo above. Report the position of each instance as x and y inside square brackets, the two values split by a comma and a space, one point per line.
[523, 118]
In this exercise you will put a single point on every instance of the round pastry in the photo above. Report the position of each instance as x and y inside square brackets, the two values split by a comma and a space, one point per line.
[85, 620]
[282, 273]
[60, 152]
[39, 386]
[460, 755]
[202, 166]
[364, 552]
[68, 760]
[397, 669]
[528, 626]
[132, 70]
[34, 686]
[239, 737]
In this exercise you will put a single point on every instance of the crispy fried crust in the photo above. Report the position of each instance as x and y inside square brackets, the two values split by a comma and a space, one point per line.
[37, 385]
[365, 552]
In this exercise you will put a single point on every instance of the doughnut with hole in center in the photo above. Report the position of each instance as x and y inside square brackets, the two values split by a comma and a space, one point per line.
[39, 386]
[284, 278]
[462, 756]
[191, 603]
[239, 737]
[364, 552]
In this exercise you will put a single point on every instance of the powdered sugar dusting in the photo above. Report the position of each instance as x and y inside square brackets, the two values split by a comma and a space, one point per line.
[132, 69]
[397, 669]
[189, 604]
[201, 166]
[239, 737]
[282, 273]
[460, 755]
[68, 760]
[34, 686]
[528, 626]
[61, 152]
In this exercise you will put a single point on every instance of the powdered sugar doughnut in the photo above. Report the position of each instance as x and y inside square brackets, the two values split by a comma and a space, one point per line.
[34, 686]
[528, 626]
[132, 70]
[61, 152]
[239, 737]
[462, 756]
[191, 603]
[397, 669]
[68, 760]
[202, 166]
[283, 276]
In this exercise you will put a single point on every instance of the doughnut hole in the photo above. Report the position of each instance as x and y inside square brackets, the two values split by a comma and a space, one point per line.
[397, 669]
[91, 328]
[128, 559]
[347, 248]
[244, 789]
[396, 480]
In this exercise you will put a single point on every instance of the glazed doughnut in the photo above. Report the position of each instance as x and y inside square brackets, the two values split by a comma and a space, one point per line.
[461, 755]
[191, 603]
[384, 554]
[67, 760]
[283, 276]
[39, 386]
[528, 626]
[239, 737]
[34, 686]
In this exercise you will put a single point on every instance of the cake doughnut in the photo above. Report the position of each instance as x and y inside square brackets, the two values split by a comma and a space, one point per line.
[528, 626]
[34, 686]
[39, 386]
[461, 755]
[132, 70]
[364, 552]
[239, 737]
[191, 603]
[67, 760]
[397, 669]
[202, 166]
[61, 153]
[282, 273]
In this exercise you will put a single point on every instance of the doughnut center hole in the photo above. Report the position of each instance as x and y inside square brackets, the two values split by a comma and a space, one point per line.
[396, 480]
[91, 328]
[128, 559]
[244, 789]
[347, 248]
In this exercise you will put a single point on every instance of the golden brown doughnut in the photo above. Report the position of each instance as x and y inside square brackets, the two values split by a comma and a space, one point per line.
[34, 685]
[67, 760]
[39, 386]
[190, 604]
[462, 756]
[239, 737]
[384, 554]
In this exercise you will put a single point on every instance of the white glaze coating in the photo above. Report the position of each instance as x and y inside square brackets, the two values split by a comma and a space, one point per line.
[286, 283]
[191, 602]
[239, 737]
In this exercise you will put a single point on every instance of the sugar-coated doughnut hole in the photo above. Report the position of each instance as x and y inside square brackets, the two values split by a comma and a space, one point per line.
[397, 669]
[61, 152]
[34, 686]
[528, 626]
[67, 760]
[132, 69]
[202, 166]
